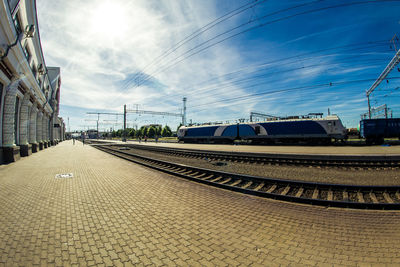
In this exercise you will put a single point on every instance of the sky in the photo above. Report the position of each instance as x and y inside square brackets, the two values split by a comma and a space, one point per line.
[227, 57]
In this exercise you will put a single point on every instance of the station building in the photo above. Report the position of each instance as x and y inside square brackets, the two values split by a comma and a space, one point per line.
[29, 90]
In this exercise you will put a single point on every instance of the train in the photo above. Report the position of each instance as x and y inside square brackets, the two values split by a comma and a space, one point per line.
[375, 130]
[307, 129]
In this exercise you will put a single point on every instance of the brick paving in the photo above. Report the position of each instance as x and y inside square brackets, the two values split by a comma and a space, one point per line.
[114, 213]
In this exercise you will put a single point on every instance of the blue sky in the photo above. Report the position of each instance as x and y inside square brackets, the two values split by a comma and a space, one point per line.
[275, 57]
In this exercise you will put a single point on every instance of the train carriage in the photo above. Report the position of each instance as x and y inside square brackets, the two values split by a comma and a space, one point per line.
[375, 130]
[317, 130]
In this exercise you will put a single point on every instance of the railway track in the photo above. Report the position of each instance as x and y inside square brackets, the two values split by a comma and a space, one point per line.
[339, 161]
[330, 195]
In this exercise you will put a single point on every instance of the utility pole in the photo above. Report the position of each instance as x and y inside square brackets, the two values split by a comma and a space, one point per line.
[395, 60]
[98, 117]
[123, 134]
[261, 115]
[156, 113]
[184, 112]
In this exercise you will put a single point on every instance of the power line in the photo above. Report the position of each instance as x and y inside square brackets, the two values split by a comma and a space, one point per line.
[306, 87]
[201, 30]
[270, 64]
[128, 82]
[259, 26]
[223, 33]
[230, 84]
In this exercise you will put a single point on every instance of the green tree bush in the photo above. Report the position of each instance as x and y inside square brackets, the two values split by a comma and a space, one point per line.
[151, 132]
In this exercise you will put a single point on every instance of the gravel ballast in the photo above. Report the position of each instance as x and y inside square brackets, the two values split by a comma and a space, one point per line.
[351, 176]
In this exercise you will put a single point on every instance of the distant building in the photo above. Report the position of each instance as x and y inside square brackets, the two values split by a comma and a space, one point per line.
[29, 90]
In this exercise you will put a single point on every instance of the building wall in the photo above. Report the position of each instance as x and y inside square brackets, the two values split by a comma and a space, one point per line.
[27, 88]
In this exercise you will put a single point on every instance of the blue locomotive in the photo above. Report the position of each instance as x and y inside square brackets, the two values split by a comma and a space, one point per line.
[375, 130]
[313, 130]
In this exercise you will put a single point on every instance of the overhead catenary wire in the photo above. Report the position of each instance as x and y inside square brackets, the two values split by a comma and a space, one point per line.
[228, 77]
[180, 58]
[228, 31]
[236, 81]
[261, 77]
[194, 34]
[200, 31]
[368, 1]
[305, 87]
[264, 82]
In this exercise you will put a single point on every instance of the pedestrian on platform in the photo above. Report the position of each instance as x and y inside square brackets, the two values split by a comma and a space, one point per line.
[73, 140]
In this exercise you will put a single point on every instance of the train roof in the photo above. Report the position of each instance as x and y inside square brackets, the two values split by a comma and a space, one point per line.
[329, 117]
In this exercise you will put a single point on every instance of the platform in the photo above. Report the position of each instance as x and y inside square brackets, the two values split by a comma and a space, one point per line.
[115, 213]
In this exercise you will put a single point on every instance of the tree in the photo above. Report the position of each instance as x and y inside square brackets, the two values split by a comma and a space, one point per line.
[119, 133]
[163, 132]
[166, 131]
[131, 132]
[158, 130]
[169, 131]
[138, 134]
[143, 131]
[151, 132]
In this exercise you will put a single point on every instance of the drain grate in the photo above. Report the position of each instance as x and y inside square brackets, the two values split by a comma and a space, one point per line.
[64, 175]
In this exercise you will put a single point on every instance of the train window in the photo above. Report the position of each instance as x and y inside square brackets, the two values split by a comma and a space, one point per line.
[334, 123]
[257, 129]
[329, 123]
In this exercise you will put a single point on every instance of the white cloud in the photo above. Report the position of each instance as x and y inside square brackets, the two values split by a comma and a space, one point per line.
[102, 45]
[98, 44]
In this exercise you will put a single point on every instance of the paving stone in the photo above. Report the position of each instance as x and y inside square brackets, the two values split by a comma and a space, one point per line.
[115, 213]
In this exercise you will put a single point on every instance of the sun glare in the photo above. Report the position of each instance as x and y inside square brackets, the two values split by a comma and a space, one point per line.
[109, 19]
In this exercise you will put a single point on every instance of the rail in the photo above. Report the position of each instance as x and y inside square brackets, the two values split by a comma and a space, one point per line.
[331, 195]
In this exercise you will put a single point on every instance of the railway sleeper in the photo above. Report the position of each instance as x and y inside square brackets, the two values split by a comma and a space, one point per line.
[194, 174]
[207, 177]
[259, 186]
[285, 191]
[299, 192]
[360, 197]
[227, 180]
[387, 197]
[397, 194]
[186, 172]
[216, 179]
[199, 176]
[373, 197]
[236, 182]
[272, 188]
[330, 195]
[315, 193]
[247, 185]
[345, 196]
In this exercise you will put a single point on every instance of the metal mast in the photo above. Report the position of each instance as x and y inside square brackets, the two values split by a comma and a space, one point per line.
[124, 133]
[395, 60]
[184, 112]
[260, 115]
